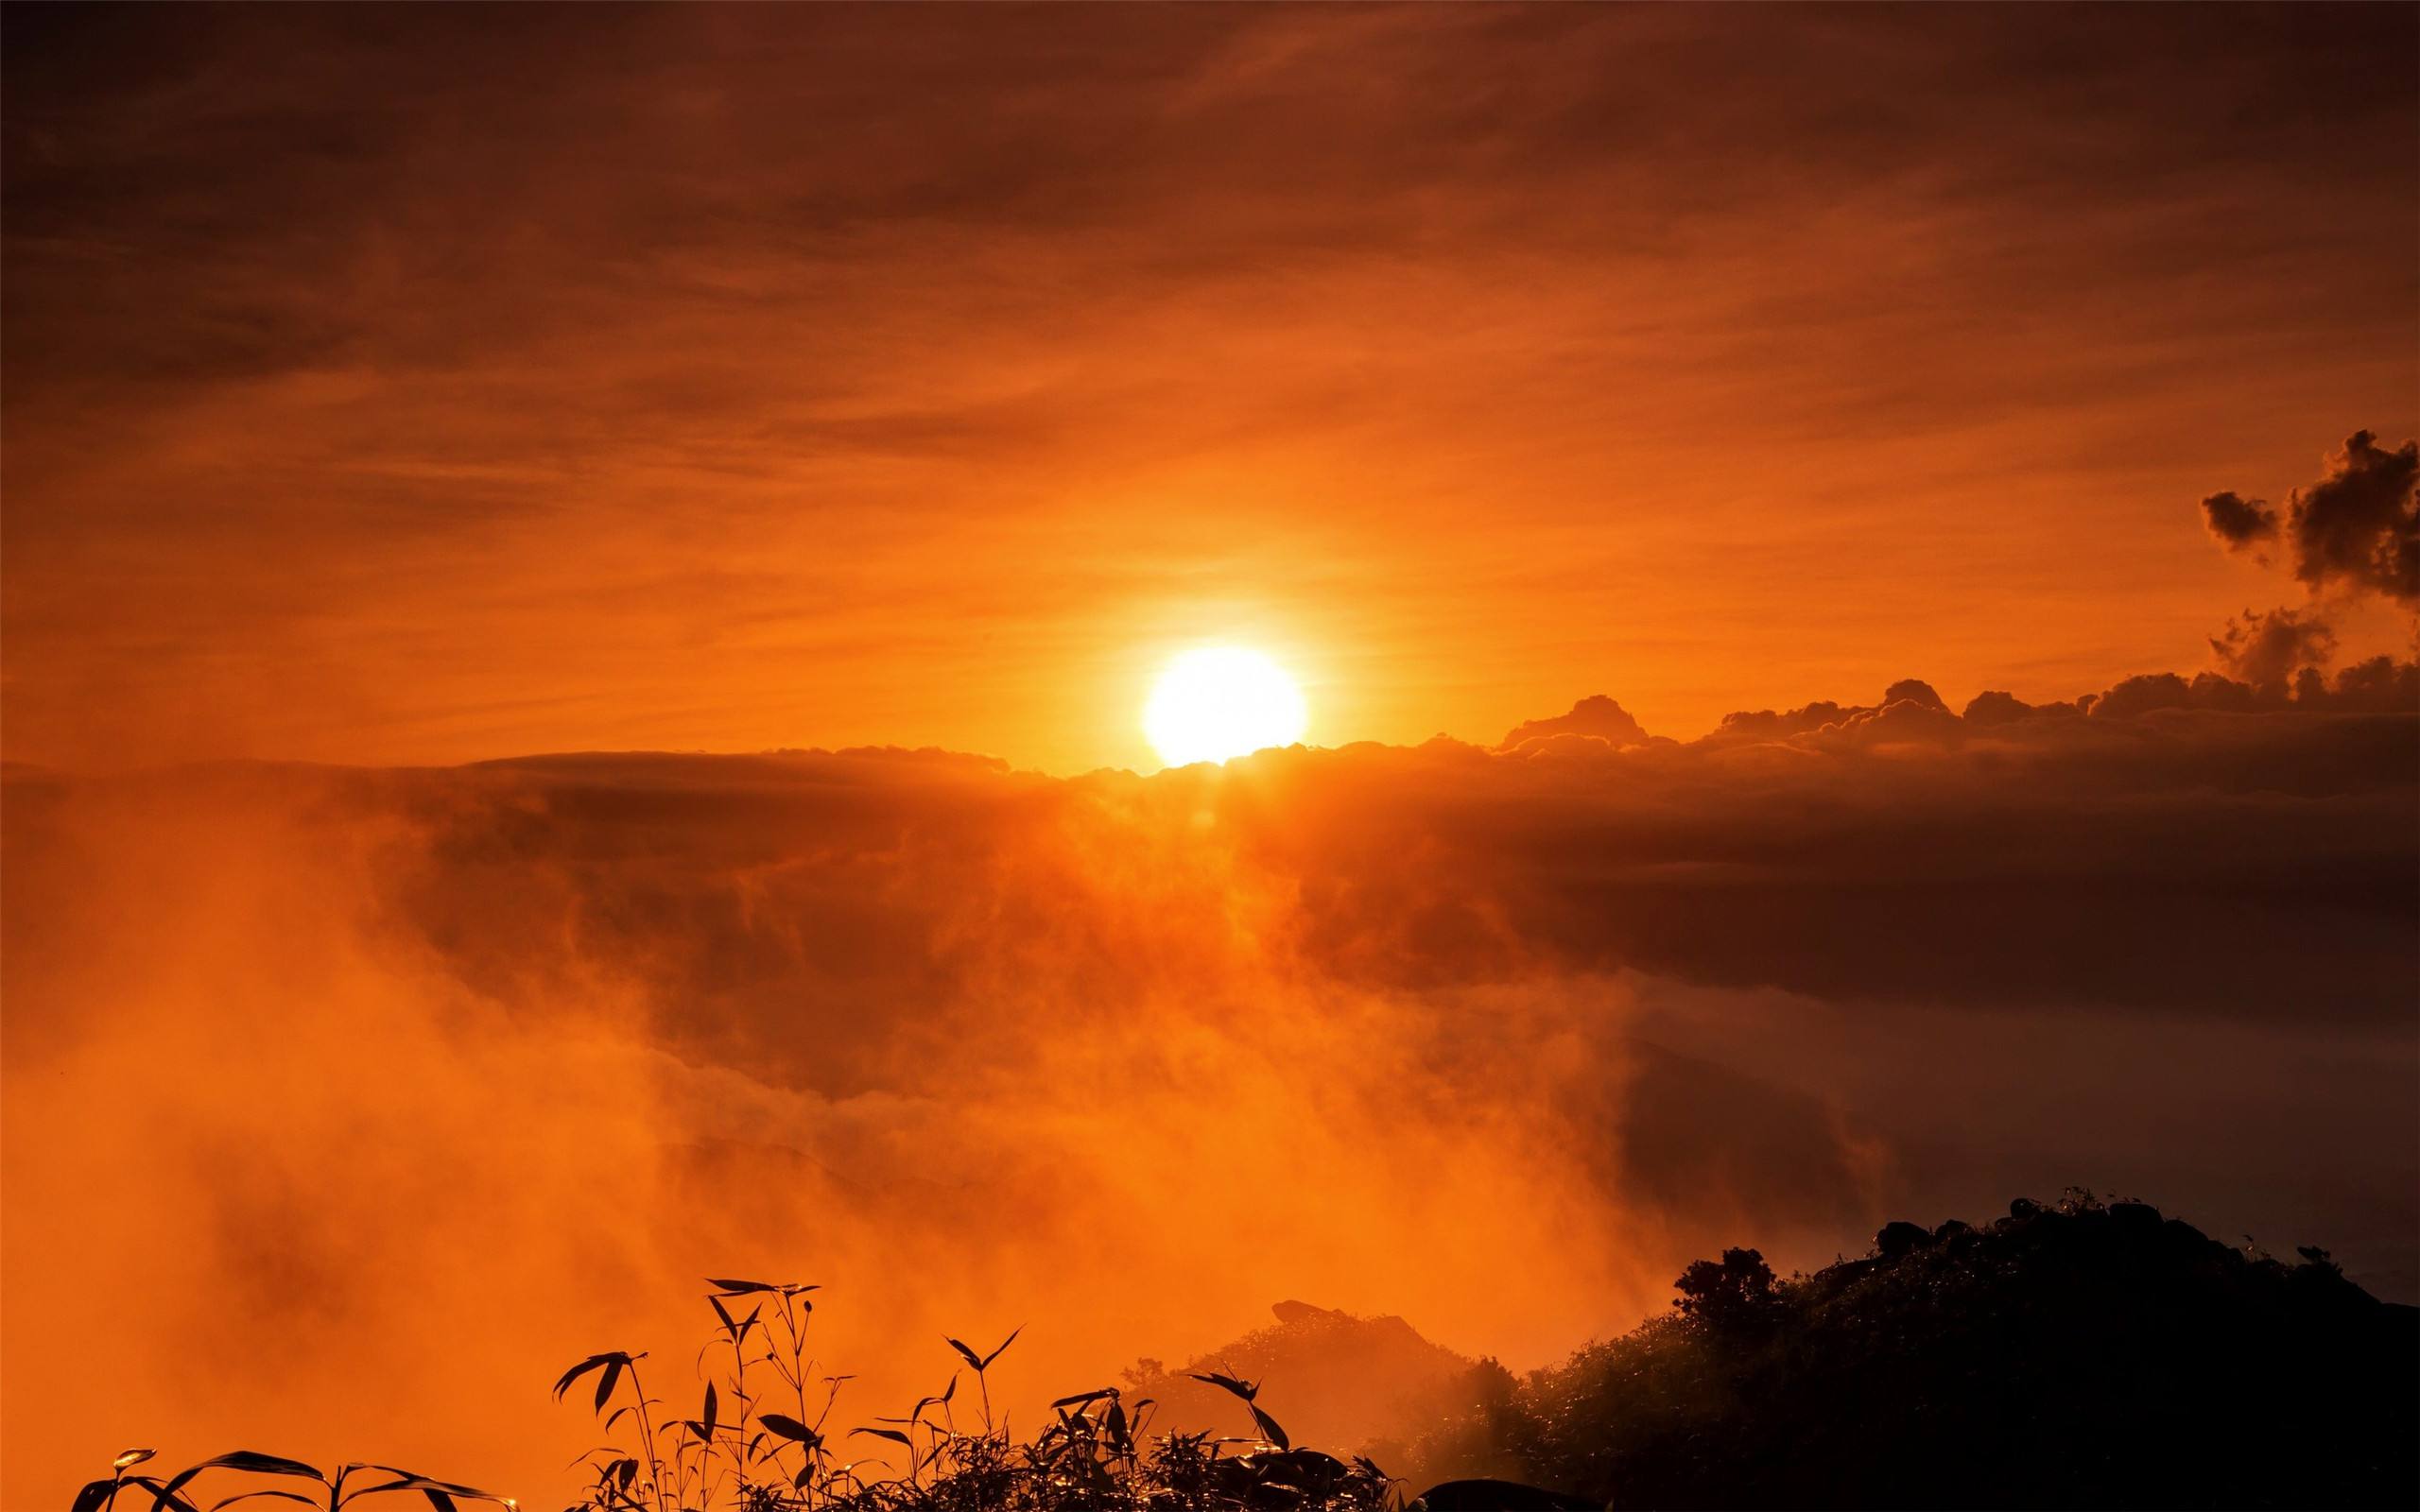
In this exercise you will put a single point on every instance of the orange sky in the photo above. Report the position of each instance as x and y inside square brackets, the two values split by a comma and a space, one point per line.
[426, 386]
[401, 386]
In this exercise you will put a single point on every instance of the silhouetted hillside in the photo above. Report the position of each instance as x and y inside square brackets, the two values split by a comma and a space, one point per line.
[1345, 1380]
[2076, 1355]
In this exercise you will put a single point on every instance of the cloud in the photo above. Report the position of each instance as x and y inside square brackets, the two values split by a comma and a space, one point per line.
[2380, 685]
[1914, 691]
[2360, 524]
[1830, 826]
[2267, 650]
[2357, 527]
[1909, 709]
[1597, 717]
[2356, 530]
[2238, 523]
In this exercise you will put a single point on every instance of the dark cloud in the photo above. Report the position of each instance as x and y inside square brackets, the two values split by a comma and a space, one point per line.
[2150, 856]
[1993, 707]
[1916, 690]
[1910, 708]
[2267, 650]
[1595, 717]
[2356, 527]
[2360, 524]
[2238, 522]
[2380, 685]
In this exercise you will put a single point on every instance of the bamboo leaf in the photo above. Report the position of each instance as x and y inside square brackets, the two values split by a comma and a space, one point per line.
[441, 1494]
[1269, 1430]
[789, 1428]
[1003, 1348]
[158, 1490]
[1241, 1388]
[247, 1460]
[592, 1363]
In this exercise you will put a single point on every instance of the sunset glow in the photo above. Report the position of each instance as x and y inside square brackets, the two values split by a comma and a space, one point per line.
[1127, 703]
[1220, 702]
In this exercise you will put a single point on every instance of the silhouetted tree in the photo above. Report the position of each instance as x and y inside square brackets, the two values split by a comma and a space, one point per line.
[1730, 1296]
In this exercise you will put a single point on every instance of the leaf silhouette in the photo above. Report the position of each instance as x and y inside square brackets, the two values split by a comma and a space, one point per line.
[916, 1413]
[1241, 1388]
[241, 1460]
[788, 1427]
[595, 1362]
[441, 1494]
[1269, 1428]
[1003, 1348]
[158, 1490]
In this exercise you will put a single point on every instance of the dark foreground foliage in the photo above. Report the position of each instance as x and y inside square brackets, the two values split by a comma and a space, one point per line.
[2076, 1355]
[762, 1441]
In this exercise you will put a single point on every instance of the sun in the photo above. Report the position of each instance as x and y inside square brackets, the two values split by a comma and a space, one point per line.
[1222, 701]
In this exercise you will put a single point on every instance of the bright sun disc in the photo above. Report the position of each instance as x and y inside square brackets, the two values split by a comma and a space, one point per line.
[1220, 702]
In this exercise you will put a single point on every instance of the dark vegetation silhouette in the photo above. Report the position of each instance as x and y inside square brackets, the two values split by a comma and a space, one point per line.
[2076, 1354]
[2083, 1353]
